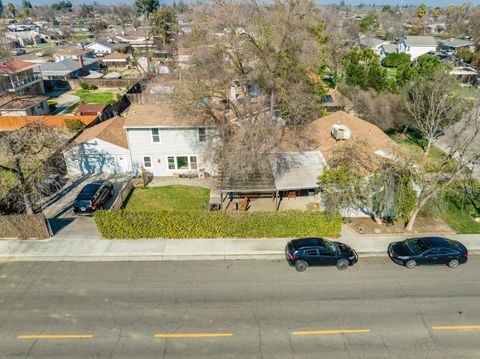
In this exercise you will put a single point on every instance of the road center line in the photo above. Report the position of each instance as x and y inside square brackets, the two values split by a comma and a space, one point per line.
[457, 327]
[56, 336]
[192, 335]
[320, 332]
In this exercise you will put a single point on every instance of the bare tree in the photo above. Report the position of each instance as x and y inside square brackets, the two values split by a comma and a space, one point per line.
[432, 106]
[123, 16]
[24, 153]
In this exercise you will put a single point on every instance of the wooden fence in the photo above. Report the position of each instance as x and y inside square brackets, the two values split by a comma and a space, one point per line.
[104, 83]
[122, 196]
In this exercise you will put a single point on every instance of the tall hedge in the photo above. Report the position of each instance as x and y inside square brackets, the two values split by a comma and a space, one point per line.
[219, 224]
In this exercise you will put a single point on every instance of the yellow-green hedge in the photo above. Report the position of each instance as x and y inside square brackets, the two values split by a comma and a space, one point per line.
[219, 224]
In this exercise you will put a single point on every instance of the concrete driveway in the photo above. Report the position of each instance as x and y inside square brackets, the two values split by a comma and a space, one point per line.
[64, 223]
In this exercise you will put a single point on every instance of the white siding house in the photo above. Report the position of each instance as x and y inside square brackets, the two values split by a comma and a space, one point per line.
[417, 46]
[100, 149]
[165, 143]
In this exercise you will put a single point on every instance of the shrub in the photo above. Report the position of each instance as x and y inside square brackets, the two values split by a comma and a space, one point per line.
[52, 106]
[396, 59]
[84, 85]
[93, 87]
[74, 124]
[218, 224]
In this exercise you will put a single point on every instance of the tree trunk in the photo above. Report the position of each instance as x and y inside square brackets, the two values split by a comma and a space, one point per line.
[429, 145]
[412, 219]
[28, 205]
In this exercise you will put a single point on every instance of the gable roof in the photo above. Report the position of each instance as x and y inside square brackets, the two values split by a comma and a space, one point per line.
[457, 43]
[91, 107]
[64, 67]
[110, 131]
[116, 56]
[12, 66]
[369, 42]
[162, 114]
[421, 41]
[389, 48]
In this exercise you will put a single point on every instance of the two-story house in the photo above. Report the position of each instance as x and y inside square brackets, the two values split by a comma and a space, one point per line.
[153, 136]
[417, 46]
[165, 142]
[17, 77]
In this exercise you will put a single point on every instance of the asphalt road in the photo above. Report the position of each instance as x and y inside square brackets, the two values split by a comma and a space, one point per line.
[237, 309]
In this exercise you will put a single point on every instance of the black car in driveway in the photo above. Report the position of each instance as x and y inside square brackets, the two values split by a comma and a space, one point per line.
[92, 197]
[428, 251]
[304, 252]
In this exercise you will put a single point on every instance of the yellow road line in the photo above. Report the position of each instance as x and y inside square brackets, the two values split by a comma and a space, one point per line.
[457, 327]
[319, 332]
[56, 336]
[191, 335]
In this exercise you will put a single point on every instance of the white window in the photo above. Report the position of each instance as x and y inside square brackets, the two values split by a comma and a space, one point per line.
[182, 162]
[155, 135]
[202, 134]
[147, 161]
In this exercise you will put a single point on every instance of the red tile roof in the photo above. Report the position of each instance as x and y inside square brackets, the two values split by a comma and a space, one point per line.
[13, 66]
[10, 123]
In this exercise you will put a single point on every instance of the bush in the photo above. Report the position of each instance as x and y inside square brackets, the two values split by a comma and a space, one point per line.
[84, 86]
[396, 59]
[218, 224]
[74, 124]
[52, 106]
[93, 87]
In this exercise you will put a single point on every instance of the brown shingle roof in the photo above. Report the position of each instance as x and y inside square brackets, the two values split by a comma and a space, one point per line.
[162, 114]
[20, 102]
[110, 131]
[116, 56]
[318, 132]
[338, 99]
[13, 66]
[90, 108]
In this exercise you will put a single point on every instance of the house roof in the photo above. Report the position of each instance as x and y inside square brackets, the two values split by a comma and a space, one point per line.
[70, 50]
[64, 67]
[116, 56]
[457, 43]
[13, 66]
[421, 41]
[162, 114]
[297, 170]
[369, 42]
[9, 123]
[389, 48]
[184, 51]
[91, 107]
[318, 132]
[110, 131]
[20, 102]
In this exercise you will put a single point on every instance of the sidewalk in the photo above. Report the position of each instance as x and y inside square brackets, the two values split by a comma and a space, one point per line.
[58, 249]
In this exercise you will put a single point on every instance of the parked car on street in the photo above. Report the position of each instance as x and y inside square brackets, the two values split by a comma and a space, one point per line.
[428, 251]
[92, 197]
[304, 252]
[17, 52]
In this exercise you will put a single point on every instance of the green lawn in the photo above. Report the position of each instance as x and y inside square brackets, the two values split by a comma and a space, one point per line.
[168, 198]
[94, 96]
[467, 91]
[416, 144]
[458, 209]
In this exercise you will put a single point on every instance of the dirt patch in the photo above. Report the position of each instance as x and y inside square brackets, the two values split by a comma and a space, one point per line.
[422, 225]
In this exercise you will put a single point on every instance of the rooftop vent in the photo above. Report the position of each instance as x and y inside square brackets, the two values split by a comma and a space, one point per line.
[341, 132]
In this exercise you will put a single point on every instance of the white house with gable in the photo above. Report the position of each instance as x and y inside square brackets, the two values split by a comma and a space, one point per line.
[417, 46]
[165, 142]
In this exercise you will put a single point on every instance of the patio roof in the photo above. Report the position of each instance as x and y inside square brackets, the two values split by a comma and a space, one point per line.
[297, 170]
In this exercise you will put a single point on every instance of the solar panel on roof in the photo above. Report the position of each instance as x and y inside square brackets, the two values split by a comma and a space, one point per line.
[328, 98]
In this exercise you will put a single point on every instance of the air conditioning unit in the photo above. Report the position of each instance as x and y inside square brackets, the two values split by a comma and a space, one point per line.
[341, 132]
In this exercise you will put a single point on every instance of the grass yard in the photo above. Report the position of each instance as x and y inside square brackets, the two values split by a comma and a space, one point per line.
[467, 92]
[101, 97]
[176, 197]
[458, 208]
[415, 145]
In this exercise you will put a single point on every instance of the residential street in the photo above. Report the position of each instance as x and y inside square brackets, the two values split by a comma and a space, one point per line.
[237, 309]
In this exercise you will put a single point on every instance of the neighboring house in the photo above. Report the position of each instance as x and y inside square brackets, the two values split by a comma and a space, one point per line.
[90, 109]
[165, 142]
[387, 49]
[184, 57]
[66, 69]
[73, 53]
[117, 60]
[465, 74]
[12, 105]
[101, 48]
[8, 44]
[373, 43]
[417, 46]
[25, 38]
[17, 77]
[452, 45]
[335, 101]
[102, 148]
[136, 39]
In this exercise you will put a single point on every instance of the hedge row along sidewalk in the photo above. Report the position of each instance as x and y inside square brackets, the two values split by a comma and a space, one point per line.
[124, 224]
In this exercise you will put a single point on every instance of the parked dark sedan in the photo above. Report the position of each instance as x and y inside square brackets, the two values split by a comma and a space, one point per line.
[305, 252]
[92, 197]
[428, 251]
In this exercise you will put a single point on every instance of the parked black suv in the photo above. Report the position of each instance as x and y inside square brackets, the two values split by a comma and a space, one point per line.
[428, 251]
[305, 252]
[92, 197]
